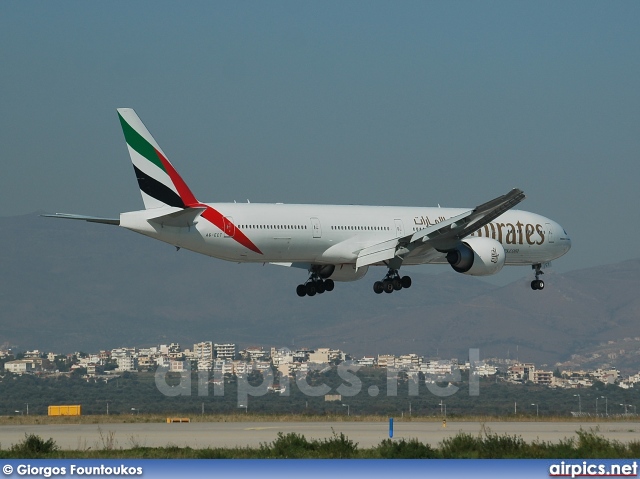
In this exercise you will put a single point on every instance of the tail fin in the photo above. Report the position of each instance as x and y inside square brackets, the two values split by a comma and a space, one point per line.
[160, 184]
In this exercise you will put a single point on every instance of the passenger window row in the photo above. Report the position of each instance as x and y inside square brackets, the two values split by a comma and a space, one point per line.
[273, 227]
[361, 228]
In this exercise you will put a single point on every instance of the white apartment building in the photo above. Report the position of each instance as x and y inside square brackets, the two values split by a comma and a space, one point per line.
[122, 353]
[366, 361]
[223, 367]
[280, 356]
[225, 351]
[127, 363]
[386, 361]
[483, 369]
[409, 360]
[203, 350]
[205, 364]
[19, 366]
[437, 368]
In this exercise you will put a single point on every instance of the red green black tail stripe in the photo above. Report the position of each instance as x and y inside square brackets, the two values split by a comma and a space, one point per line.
[157, 190]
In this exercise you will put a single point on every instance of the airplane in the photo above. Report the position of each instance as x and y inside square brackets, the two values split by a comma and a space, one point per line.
[332, 242]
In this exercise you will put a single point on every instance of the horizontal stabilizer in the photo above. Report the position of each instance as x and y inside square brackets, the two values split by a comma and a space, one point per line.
[180, 219]
[90, 219]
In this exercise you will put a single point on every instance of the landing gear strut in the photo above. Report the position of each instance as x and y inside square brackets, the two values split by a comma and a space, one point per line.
[314, 285]
[537, 284]
[392, 282]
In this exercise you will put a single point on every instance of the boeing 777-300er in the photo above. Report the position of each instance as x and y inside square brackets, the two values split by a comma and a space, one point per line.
[331, 242]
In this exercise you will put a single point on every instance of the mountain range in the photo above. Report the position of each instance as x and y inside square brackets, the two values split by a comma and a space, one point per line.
[72, 286]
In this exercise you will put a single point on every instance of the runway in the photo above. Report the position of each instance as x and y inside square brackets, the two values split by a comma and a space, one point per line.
[252, 434]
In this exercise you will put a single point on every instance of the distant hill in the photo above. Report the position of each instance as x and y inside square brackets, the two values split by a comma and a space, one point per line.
[68, 286]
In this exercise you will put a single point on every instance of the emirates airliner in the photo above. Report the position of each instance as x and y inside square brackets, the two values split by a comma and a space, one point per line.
[333, 242]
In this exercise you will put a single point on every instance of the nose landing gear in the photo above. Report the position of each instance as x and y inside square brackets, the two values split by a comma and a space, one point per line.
[392, 282]
[537, 284]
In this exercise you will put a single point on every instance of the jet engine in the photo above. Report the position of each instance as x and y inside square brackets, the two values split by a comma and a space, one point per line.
[477, 256]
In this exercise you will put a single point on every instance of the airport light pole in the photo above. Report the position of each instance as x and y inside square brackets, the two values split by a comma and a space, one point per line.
[596, 406]
[348, 412]
[579, 404]
[536, 405]
[625, 408]
[606, 405]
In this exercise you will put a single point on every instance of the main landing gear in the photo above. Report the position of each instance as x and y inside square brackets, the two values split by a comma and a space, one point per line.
[392, 282]
[537, 284]
[315, 285]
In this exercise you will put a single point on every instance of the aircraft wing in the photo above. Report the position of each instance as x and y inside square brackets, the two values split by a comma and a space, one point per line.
[90, 219]
[442, 236]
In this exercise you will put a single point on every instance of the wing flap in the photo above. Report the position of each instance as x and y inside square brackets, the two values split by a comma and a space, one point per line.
[375, 257]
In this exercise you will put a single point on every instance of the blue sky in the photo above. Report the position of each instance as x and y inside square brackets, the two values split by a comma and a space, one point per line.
[409, 103]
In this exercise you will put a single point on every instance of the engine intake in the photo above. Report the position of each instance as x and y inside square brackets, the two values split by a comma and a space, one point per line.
[477, 256]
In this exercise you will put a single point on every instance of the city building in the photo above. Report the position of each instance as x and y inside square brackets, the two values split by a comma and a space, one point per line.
[225, 351]
[20, 366]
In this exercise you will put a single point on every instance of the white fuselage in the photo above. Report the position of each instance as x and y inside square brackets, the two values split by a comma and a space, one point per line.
[334, 234]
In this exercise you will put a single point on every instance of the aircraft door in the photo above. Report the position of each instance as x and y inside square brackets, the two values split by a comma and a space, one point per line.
[229, 227]
[399, 228]
[315, 226]
[549, 232]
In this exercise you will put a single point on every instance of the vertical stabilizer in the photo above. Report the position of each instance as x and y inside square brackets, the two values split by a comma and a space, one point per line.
[160, 184]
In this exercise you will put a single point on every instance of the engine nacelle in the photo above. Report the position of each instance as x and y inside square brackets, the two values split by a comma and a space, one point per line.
[347, 272]
[477, 256]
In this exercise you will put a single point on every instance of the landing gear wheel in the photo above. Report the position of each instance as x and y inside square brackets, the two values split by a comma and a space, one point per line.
[320, 287]
[537, 284]
[310, 287]
[392, 282]
[301, 290]
[329, 285]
